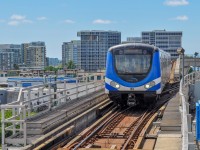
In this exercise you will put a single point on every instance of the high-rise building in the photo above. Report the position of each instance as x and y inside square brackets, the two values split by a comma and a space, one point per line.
[132, 40]
[11, 54]
[70, 51]
[7, 60]
[169, 41]
[24, 49]
[94, 47]
[15, 48]
[52, 61]
[47, 62]
[36, 54]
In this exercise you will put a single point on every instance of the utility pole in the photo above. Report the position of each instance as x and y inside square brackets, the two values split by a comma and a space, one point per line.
[195, 57]
[181, 52]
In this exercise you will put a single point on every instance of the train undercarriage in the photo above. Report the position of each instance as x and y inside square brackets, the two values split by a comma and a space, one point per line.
[133, 99]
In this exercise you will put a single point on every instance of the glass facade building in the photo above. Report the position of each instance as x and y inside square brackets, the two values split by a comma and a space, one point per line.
[52, 62]
[94, 47]
[24, 48]
[7, 60]
[10, 54]
[169, 41]
[71, 51]
[134, 39]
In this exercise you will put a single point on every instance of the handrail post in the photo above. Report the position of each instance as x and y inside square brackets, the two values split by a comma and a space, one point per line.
[65, 87]
[24, 128]
[65, 91]
[95, 81]
[77, 87]
[86, 85]
[50, 100]
[21, 117]
[42, 91]
[29, 103]
[3, 127]
[13, 114]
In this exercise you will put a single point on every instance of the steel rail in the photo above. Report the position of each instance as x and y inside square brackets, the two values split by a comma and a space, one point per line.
[147, 116]
[105, 123]
[139, 122]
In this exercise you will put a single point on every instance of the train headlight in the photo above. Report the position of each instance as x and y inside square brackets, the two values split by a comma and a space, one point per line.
[114, 84]
[117, 86]
[149, 85]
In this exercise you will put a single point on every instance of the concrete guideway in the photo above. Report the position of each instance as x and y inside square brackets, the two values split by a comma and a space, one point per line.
[170, 127]
[35, 103]
[68, 128]
[176, 128]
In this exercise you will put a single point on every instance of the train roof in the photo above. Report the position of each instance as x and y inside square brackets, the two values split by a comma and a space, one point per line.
[134, 45]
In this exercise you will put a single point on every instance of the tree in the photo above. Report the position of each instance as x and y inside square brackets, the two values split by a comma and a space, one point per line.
[59, 67]
[16, 67]
[70, 65]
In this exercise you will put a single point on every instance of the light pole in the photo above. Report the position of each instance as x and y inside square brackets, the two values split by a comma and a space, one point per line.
[181, 51]
[195, 57]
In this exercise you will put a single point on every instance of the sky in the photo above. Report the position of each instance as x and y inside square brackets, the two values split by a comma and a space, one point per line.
[58, 21]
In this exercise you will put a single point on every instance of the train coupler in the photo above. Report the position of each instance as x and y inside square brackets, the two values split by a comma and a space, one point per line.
[132, 101]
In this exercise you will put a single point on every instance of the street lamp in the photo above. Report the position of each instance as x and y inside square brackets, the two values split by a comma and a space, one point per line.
[181, 51]
[195, 57]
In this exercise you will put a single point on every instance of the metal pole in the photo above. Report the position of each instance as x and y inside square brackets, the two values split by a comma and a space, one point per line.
[183, 68]
[179, 67]
[195, 62]
[55, 88]
[29, 103]
[3, 127]
[24, 128]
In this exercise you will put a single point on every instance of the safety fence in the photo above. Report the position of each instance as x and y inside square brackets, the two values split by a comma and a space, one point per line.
[34, 101]
[187, 135]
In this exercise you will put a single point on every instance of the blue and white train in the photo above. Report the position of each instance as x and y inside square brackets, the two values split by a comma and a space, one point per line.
[135, 72]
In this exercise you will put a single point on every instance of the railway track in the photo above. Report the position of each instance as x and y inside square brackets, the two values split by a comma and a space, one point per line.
[117, 128]
[122, 128]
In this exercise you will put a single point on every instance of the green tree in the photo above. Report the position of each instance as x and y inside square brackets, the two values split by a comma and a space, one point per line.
[16, 67]
[70, 65]
[49, 68]
[59, 67]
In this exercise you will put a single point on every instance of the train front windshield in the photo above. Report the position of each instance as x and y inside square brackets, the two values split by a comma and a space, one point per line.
[132, 65]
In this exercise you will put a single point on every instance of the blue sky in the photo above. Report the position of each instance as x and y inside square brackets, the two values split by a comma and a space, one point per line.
[57, 21]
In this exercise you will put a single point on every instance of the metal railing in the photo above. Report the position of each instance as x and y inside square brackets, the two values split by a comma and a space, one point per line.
[188, 137]
[37, 100]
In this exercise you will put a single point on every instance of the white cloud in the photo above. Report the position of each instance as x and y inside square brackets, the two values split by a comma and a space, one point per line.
[176, 2]
[16, 20]
[69, 21]
[13, 23]
[181, 18]
[100, 21]
[42, 18]
[2, 21]
[17, 17]
[27, 21]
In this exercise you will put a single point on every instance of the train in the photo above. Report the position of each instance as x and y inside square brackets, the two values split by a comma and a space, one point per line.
[136, 73]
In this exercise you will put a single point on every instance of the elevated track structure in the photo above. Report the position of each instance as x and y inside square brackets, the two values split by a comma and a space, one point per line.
[40, 109]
